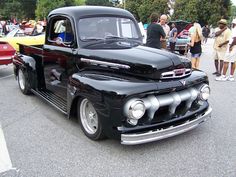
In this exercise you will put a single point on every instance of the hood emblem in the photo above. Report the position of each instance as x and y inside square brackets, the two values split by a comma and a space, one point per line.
[183, 82]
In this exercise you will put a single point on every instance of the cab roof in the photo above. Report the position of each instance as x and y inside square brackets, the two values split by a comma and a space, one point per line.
[79, 11]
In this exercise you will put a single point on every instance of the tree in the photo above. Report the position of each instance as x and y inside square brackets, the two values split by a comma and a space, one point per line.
[142, 9]
[45, 6]
[204, 11]
[17, 9]
[99, 2]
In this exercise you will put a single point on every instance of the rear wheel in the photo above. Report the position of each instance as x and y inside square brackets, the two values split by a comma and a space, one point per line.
[89, 120]
[23, 82]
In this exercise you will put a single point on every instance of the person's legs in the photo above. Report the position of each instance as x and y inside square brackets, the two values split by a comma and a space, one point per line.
[172, 46]
[226, 65]
[225, 68]
[197, 62]
[232, 70]
[216, 66]
[193, 61]
[221, 66]
[216, 62]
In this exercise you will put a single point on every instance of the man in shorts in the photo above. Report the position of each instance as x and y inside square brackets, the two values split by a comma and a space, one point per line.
[222, 37]
[230, 56]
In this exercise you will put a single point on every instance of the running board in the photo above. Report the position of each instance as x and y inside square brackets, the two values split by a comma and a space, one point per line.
[53, 99]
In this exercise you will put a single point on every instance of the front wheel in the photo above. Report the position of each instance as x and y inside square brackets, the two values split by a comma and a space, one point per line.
[23, 82]
[89, 120]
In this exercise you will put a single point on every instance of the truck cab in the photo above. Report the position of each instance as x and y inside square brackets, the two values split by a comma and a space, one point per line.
[93, 66]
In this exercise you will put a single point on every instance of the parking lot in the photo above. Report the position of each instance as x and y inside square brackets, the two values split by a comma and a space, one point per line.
[42, 142]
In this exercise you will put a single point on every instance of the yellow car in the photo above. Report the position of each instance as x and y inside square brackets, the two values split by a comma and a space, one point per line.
[18, 36]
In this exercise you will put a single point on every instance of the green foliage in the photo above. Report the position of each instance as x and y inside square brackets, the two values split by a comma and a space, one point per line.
[142, 9]
[17, 9]
[204, 11]
[98, 2]
[45, 6]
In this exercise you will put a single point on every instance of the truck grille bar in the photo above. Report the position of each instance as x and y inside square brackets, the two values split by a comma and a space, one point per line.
[172, 100]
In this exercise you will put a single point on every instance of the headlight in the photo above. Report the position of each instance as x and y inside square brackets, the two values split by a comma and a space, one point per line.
[204, 92]
[134, 110]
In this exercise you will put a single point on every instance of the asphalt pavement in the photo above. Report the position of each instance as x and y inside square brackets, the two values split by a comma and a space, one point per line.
[42, 142]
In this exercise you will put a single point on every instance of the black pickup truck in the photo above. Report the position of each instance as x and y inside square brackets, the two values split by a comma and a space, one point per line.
[93, 66]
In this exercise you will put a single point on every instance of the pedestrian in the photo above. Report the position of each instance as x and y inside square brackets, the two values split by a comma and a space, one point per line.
[205, 33]
[222, 37]
[195, 45]
[230, 56]
[154, 32]
[173, 37]
[166, 28]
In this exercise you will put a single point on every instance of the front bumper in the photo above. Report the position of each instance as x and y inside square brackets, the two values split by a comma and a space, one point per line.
[154, 135]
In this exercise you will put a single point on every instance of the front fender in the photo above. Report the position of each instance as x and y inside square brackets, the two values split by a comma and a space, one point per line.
[107, 94]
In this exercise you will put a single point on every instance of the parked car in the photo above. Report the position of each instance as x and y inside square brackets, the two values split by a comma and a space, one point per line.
[6, 53]
[105, 77]
[17, 36]
[183, 37]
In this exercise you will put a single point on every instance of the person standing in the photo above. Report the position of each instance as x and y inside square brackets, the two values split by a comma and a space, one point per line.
[222, 37]
[195, 45]
[230, 56]
[166, 28]
[205, 33]
[154, 32]
[173, 37]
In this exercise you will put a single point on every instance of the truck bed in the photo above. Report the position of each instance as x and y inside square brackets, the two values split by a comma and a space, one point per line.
[31, 50]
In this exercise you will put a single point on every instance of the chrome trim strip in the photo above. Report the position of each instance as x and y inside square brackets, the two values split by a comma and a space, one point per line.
[5, 58]
[104, 63]
[154, 135]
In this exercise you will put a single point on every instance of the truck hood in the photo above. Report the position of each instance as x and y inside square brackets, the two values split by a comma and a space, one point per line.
[140, 61]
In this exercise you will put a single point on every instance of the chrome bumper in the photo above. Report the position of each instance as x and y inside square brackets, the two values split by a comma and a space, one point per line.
[154, 135]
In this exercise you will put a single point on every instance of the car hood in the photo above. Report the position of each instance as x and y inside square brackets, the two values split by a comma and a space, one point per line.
[140, 61]
[27, 40]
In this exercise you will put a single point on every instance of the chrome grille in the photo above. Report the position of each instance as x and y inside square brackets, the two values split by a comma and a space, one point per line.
[172, 100]
[177, 73]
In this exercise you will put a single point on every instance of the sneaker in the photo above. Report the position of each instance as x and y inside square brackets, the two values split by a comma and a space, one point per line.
[230, 78]
[221, 78]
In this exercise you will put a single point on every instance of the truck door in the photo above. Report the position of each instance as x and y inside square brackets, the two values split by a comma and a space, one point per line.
[59, 55]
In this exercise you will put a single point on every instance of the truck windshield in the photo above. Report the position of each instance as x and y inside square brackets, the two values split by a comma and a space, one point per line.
[100, 28]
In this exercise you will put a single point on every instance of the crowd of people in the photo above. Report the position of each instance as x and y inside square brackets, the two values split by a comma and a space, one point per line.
[158, 32]
[28, 27]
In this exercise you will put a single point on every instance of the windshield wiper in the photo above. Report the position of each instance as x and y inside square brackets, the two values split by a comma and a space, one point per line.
[114, 37]
[93, 39]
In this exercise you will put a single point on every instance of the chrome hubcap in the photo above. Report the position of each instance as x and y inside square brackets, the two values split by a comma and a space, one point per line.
[88, 116]
[21, 79]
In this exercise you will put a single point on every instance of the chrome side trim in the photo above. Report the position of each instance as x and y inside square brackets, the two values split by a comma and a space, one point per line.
[154, 135]
[104, 63]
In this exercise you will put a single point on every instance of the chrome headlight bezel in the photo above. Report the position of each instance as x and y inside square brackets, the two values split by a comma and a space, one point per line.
[204, 92]
[134, 110]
